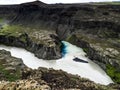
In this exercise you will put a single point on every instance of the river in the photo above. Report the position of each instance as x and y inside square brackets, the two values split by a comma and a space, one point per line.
[88, 70]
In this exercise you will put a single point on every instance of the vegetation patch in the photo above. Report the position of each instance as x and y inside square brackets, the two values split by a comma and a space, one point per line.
[85, 49]
[8, 75]
[113, 73]
[10, 68]
[13, 30]
[71, 38]
[1, 19]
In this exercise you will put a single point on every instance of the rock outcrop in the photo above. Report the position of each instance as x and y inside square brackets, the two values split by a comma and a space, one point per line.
[23, 85]
[47, 47]
[60, 80]
[10, 67]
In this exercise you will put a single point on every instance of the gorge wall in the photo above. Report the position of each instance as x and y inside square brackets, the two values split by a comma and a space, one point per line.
[15, 75]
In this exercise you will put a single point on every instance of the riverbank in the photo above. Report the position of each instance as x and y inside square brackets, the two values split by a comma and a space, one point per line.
[15, 75]
[66, 63]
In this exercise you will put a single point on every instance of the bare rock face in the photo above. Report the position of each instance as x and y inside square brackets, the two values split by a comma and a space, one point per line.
[23, 85]
[111, 52]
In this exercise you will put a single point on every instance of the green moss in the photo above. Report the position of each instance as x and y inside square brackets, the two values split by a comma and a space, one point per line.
[33, 33]
[1, 19]
[8, 75]
[13, 30]
[23, 39]
[71, 38]
[12, 77]
[113, 73]
[85, 49]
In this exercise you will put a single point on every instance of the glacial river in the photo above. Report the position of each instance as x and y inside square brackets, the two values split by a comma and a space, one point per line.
[88, 70]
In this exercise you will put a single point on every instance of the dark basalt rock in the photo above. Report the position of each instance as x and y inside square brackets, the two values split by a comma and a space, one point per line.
[40, 50]
[79, 60]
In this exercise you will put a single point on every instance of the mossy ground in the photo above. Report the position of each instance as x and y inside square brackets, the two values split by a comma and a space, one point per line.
[71, 38]
[35, 34]
[113, 73]
[1, 20]
[11, 30]
[8, 75]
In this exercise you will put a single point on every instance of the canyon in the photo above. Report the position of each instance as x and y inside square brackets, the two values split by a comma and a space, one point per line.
[40, 28]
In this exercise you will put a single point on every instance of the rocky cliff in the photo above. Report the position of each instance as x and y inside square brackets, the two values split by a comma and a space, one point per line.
[14, 75]
[47, 47]
[16, 29]
[39, 28]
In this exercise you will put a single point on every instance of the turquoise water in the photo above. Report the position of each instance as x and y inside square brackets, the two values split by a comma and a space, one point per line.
[64, 51]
